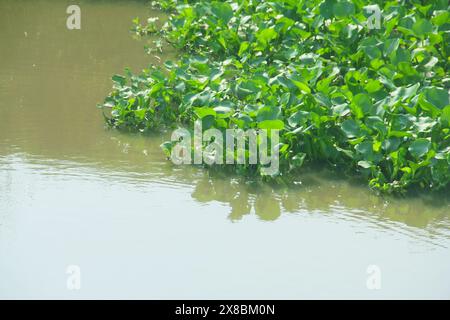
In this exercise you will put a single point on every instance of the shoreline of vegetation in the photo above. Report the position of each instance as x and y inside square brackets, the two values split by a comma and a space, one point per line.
[370, 101]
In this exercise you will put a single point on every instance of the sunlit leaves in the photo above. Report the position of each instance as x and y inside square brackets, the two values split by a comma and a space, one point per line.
[271, 124]
[264, 36]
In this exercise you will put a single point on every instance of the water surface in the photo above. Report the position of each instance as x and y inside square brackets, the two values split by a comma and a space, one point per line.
[75, 193]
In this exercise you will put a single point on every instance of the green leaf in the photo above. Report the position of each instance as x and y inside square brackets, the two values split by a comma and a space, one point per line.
[243, 47]
[419, 148]
[343, 8]
[391, 144]
[242, 121]
[268, 113]
[203, 112]
[271, 124]
[302, 86]
[391, 45]
[372, 52]
[404, 93]
[351, 128]
[121, 80]
[365, 148]
[326, 8]
[208, 121]
[265, 36]
[298, 160]
[438, 97]
[361, 105]
[223, 111]
[365, 164]
[445, 117]
[441, 17]
[298, 118]
[167, 147]
[222, 10]
[422, 27]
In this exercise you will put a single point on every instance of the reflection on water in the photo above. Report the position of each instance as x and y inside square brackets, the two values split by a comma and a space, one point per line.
[62, 171]
[138, 162]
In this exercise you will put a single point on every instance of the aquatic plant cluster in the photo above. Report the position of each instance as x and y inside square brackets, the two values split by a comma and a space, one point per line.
[369, 98]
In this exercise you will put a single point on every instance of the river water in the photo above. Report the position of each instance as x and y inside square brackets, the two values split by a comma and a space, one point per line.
[74, 194]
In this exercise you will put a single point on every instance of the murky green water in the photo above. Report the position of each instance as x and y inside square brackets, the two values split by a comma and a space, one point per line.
[74, 193]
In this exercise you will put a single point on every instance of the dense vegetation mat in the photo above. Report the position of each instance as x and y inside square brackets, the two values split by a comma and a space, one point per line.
[360, 85]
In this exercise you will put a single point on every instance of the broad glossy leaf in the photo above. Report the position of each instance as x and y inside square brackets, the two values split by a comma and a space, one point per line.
[222, 10]
[419, 147]
[268, 113]
[422, 27]
[351, 128]
[343, 8]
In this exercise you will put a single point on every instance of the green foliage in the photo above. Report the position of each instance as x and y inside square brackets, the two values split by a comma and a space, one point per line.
[373, 101]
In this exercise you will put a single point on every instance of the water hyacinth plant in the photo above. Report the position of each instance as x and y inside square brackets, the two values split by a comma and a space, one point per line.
[359, 85]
